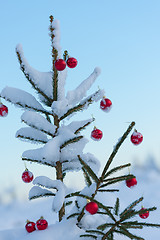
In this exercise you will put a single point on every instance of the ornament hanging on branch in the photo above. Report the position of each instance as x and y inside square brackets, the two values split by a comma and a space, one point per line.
[106, 104]
[41, 224]
[144, 215]
[72, 62]
[3, 110]
[27, 176]
[30, 226]
[136, 137]
[131, 182]
[96, 134]
[92, 207]
[60, 64]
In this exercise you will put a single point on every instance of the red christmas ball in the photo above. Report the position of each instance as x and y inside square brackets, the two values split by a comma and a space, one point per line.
[92, 207]
[96, 134]
[41, 224]
[60, 64]
[131, 182]
[106, 104]
[27, 176]
[3, 110]
[30, 226]
[72, 62]
[144, 215]
[136, 138]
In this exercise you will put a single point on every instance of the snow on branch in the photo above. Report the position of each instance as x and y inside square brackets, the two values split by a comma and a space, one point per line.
[33, 135]
[77, 126]
[53, 184]
[83, 104]
[22, 99]
[55, 35]
[35, 120]
[37, 192]
[80, 92]
[40, 81]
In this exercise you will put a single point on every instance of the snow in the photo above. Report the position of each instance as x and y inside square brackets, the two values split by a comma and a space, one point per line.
[21, 98]
[14, 215]
[37, 121]
[56, 40]
[80, 92]
[30, 133]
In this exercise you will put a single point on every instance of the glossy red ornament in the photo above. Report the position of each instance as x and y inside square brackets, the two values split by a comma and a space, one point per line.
[3, 110]
[30, 226]
[106, 104]
[41, 224]
[96, 134]
[60, 64]
[144, 215]
[92, 207]
[27, 176]
[136, 137]
[71, 62]
[131, 182]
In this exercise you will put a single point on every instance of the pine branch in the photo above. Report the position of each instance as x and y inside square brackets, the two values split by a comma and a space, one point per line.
[130, 207]
[38, 161]
[80, 106]
[106, 225]
[82, 128]
[114, 170]
[88, 235]
[42, 195]
[72, 215]
[95, 231]
[116, 149]
[24, 70]
[31, 139]
[116, 207]
[40, 129]
[108, 190]
[116, 180]
[86, 176]
[73, 140]
[89, 170]
[130, 235]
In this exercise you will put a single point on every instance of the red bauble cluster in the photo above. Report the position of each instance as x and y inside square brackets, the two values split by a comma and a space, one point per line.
[96, 134]
[92, 207]
[136, 137]
[27, 176]
[3, 110]
[131, 182]
[144, 215]
[30, 226]
[41, 224]
[105, 104]
[60, 64]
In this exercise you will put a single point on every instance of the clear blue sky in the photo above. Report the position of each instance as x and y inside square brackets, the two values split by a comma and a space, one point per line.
[121, 37]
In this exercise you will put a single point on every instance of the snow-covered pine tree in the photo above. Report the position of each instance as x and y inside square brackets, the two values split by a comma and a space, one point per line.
[62, 145]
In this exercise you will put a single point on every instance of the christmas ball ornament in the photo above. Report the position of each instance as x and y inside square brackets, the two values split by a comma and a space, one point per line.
[92, 207]
[96, 134]
[60, 64]
[136, 137]
[3, 110]
[144, 215]
[106, 104]
[41, 224]
[30, 226]
[27, 176]
[131, 182]
[71, 62]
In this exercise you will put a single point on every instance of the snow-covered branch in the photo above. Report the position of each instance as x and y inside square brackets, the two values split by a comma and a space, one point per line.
[22, 99]
[33, 135]
[35, 120]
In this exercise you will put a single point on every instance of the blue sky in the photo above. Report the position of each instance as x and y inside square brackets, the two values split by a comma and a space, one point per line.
[121, 37]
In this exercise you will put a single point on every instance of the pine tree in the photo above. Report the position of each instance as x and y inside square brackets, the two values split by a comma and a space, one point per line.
[62, 145]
